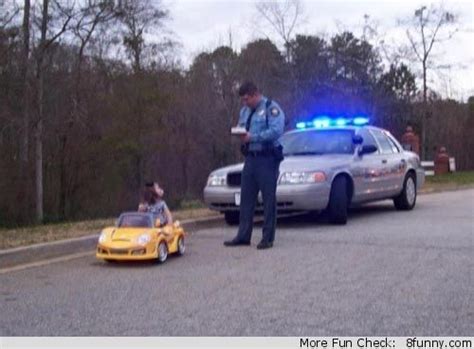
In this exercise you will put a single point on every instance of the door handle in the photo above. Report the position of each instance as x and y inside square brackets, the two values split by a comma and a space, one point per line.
[384, 161]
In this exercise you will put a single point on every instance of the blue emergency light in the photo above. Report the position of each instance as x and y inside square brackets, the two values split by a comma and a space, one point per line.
[325, 121]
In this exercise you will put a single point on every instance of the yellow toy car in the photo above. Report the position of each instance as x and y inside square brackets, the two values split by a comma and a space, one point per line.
[138, 236]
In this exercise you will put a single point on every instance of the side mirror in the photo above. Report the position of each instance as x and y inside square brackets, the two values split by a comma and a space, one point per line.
[158, 223]
[367, 149]
[356, 139]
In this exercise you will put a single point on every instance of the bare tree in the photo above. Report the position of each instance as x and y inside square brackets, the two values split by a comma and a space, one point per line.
[66, 14]
[8, 14]
[89, 17]
[283, 17]
[139, 17]
[427, 27]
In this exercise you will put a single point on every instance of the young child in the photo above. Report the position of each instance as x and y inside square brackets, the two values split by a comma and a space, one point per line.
[153, 202]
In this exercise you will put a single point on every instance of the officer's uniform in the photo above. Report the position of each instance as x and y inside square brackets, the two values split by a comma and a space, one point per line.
[265, 125]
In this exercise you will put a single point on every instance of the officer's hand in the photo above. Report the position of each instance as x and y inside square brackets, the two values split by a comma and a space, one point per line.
[245, 138]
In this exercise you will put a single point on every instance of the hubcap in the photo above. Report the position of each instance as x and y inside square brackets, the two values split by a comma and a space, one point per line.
[181, 246]
[163, 252]
[410, 191]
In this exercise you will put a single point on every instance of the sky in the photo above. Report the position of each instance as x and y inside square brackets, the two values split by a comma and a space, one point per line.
[203, 25]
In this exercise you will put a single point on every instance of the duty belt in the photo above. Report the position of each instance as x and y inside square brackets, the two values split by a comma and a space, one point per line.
[255, 153]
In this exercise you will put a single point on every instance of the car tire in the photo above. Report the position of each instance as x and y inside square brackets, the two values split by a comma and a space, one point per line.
[162, 252]
[338, 201]
[407, 198]
[181, 246]
[231, 217]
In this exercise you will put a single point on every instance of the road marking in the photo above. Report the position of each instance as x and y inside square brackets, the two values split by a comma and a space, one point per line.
[45, 262]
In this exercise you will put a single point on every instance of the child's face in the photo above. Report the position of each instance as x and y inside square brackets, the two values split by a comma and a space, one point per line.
[158, 190]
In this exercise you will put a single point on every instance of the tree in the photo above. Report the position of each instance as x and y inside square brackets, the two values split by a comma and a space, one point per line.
[283, 17]
[65, 16]
[139, 17]
[354, 70]
[427, 27]
[261, 62]
[310, 69]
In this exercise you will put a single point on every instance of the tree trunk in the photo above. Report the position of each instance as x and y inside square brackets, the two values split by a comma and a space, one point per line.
[39, 123]
[424, 141]
[24, 142]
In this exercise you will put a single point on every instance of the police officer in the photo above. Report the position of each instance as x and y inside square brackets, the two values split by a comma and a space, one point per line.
[264, 122]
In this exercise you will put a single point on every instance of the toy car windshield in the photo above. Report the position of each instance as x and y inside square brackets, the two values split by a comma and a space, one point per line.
[135, 221]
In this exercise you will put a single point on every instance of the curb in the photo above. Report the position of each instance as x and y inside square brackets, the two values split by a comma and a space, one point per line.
[46, 250]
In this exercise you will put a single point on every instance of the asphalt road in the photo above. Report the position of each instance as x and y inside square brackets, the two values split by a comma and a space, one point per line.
[384, 273]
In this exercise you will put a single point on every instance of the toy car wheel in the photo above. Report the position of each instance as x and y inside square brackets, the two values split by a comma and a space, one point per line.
[162, 252]
[181, 246]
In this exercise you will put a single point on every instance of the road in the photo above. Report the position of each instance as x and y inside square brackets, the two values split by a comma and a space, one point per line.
[384, 273]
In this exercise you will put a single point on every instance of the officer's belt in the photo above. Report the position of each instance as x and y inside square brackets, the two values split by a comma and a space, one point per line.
[255, 153]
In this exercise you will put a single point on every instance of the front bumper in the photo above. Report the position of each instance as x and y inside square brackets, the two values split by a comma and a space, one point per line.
[129, 253]
[292, 197]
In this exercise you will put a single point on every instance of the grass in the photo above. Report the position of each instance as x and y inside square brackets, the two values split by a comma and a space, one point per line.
[10, 238]
[449, 181]
[459, 178]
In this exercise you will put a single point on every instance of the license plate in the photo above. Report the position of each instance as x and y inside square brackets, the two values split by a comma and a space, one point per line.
[237, 199]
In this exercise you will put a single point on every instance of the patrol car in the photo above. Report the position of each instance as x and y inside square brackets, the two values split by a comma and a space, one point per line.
[330, 164]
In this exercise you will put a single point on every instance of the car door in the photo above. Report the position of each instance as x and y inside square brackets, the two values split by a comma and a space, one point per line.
[399, 164]
[391, 161]
[368, 171]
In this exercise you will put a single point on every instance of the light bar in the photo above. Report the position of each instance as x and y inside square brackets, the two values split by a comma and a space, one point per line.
[301, 125]
[324, 121]
[360, 120]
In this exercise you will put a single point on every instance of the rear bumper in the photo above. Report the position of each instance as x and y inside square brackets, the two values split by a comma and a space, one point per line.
[294, 197]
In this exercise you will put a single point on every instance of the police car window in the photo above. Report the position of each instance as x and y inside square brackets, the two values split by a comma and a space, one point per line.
[384, 143]
[367, 137]
[318, 142]
[394, 145]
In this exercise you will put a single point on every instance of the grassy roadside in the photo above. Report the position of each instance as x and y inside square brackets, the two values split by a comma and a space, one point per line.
[449, 181]
[10, 238]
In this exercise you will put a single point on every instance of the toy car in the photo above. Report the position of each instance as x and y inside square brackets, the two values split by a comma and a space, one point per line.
[138, 236]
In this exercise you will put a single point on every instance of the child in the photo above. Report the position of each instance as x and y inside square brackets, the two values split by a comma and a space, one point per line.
[153, 202]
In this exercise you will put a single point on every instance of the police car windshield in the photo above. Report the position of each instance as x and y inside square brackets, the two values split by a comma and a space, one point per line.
[318, 142]
[135, 221]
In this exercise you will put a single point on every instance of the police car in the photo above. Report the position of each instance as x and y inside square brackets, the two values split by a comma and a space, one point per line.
[330, 164]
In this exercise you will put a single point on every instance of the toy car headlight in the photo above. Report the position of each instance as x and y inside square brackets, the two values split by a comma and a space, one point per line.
[143, 239]
[102, 237]
[302, 177]
[216, 180]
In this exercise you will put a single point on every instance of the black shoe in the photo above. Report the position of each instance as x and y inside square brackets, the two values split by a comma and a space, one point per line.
[264, 244]
[235, 242]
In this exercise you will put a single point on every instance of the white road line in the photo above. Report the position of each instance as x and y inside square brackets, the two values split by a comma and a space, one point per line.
[45, 262]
